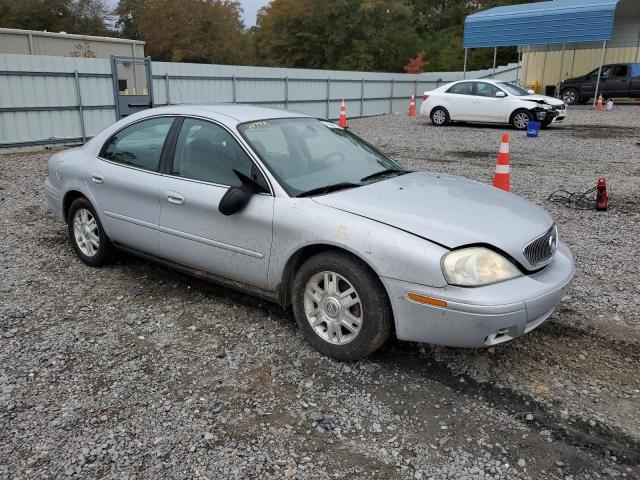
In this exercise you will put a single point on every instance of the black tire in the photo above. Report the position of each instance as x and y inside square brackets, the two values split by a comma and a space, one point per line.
[516, 116]
[440, 117]
[374, 307]
[104, 249]
[571, 96]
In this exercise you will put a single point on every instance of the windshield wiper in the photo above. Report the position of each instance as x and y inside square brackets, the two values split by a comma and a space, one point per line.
[382, 173]
[328, 189]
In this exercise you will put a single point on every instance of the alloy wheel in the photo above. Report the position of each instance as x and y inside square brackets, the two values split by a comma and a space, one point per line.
[85, 232]
[569, 97]
[333, 307]
[521, 120]
[439, 117]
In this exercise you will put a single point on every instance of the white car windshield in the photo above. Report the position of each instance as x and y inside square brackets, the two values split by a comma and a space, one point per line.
[514, 89]
[309, 156]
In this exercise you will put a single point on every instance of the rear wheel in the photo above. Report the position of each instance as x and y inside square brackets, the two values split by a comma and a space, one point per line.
[521, 118]
[571, 96]
[440, 116]
[86, 233]
[341, 306]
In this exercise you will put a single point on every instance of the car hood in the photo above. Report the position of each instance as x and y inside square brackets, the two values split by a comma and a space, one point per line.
[451, 211]
[543, 98]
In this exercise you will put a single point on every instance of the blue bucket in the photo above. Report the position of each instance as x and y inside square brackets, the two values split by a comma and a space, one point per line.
[533, 129]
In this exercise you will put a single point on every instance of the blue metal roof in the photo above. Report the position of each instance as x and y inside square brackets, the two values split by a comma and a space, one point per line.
[542, 23]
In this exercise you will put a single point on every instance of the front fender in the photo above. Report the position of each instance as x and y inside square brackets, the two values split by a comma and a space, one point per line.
[390, 252]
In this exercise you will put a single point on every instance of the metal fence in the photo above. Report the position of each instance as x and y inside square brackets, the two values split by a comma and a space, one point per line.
[59, 100]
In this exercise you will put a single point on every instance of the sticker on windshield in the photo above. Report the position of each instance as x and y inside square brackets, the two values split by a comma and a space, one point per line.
[331, 125]
[258, 124]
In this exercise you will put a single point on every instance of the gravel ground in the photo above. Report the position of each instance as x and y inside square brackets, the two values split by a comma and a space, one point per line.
[132, 371]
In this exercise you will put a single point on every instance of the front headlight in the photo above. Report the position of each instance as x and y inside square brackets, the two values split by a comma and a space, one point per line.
[475, 266]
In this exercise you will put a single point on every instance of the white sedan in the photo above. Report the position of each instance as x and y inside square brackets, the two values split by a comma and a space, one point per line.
[490, 101]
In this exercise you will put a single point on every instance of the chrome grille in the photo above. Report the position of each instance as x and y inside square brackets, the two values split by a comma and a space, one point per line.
[542, 248]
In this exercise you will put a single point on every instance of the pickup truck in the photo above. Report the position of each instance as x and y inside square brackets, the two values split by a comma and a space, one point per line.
[617, 80]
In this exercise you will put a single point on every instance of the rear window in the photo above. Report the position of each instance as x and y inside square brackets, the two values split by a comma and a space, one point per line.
[463, 88]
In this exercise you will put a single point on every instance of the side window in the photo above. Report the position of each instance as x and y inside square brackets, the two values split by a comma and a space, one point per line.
[140, 144]
[464, 88]
[606, 72]
[485, 89]
[620, 71]
[207, 152]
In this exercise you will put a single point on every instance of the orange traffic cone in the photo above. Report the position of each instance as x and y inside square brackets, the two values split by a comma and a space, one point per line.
[412, 106]
[502, 178]
[343, 114]
[600, 105]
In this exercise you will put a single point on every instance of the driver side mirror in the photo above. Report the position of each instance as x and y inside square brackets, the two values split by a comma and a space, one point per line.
[500, 94]
[237, 198]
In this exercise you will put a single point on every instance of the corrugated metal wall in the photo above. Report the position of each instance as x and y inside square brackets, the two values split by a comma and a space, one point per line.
[43, 102]
[49, 43]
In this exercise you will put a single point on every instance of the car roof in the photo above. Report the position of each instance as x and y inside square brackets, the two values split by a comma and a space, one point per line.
[234, 113]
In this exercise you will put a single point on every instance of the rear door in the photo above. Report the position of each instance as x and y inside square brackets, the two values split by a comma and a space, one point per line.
[617, 84]
[192, 231]
[458, 100]
[124, 182]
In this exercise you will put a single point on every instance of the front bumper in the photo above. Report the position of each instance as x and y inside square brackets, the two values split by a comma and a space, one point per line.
[482, 316]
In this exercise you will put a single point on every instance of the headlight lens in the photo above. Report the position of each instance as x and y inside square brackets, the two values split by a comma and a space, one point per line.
[475, 266]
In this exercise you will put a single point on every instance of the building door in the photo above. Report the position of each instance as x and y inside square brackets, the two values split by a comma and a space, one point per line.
[132, 84]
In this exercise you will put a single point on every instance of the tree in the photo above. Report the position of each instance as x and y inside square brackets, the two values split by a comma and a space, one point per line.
[415, 64]
[89, 17]
[364, 35]
[201, 31]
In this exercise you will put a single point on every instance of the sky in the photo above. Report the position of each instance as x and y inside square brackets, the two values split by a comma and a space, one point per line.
[251, 8]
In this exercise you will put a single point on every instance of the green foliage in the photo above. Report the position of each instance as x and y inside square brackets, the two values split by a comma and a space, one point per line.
[87, 17]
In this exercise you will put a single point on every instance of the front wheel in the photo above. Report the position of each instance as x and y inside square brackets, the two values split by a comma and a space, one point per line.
[520, 119]
[341, 306]
[440, 116]
[87, 236]
[571, 96]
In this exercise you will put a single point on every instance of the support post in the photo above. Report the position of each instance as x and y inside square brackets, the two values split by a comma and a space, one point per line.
[362, 98]
[391, 99]
[166, 81]
[518, 70]
[466, 53]
[526, 66]
[286, 92]
[234, 89]
[80, 111]
[604, 56]
[561, 68]
[328, 96]
[638, 54]
[544, 69]
[495, 57]
[30, 38]
[573, 62]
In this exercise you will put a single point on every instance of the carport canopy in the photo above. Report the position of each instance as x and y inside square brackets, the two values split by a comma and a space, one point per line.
[541, 23]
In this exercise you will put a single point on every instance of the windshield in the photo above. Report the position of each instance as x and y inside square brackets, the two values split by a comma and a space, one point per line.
[306, 154]
[514, 89]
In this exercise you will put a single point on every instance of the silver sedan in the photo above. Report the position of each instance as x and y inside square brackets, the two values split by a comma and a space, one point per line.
[307, 214]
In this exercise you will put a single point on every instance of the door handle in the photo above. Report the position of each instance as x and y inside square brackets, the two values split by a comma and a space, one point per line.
[175, 197]
[97, 178]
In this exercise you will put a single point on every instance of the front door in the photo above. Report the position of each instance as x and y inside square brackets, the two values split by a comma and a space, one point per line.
[192, 231]
[486, 106]
[132, 84]
[617, 85]
[124, 182]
